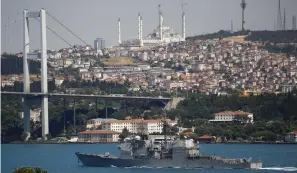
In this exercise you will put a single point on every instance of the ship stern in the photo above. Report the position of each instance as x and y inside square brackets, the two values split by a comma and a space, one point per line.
[256, 165]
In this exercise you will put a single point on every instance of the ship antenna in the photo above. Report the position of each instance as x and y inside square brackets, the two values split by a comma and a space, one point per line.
[142, 133]
[165, 129]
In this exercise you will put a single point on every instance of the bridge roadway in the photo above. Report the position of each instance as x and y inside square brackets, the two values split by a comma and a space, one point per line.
[107, 97]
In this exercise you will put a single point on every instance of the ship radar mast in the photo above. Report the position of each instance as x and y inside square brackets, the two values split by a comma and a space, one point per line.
[142, 132]
[165, 125]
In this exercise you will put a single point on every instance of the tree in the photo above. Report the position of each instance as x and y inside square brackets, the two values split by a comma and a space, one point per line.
[125, 133]
[241, 118]
[29, 170]
[265, 135]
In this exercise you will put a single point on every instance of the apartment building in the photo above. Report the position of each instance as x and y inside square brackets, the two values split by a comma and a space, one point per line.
[94, 123]
[137, 125]
[231, 116]
[98, 136]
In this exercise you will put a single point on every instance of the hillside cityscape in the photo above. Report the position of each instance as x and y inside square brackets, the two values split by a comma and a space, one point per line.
[221, 87]
[97, 86]
[218, 69]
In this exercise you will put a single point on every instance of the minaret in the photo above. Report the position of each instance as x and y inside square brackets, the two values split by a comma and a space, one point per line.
[284, 19]
[279, 17]
[141, 39]
[183, 23]
[160, 23]
[139, 26]
[294, 23]
[119, 31]
[232, 26]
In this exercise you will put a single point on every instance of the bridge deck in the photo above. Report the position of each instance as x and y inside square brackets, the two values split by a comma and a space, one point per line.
[108, 97]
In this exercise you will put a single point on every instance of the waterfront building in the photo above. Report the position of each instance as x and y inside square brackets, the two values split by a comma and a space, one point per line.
[137, 125]
[291, 137]
[95, 123]
[233, 116]
[103, 136]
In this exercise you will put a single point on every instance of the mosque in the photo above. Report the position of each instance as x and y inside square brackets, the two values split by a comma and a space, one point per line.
[161, 35]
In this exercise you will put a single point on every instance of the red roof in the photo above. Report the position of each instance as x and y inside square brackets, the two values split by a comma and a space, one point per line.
[232, 113]
[205, 137]
[138, 121]
[96, 132]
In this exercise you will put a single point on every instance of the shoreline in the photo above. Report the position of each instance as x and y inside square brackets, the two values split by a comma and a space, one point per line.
[53, 142]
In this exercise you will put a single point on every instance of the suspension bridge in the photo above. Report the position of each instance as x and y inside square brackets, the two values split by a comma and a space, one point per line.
[30, 98]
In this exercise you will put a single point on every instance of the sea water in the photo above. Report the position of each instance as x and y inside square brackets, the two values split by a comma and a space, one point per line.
[60, 158]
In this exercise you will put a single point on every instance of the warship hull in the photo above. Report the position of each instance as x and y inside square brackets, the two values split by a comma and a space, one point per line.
[202, 162]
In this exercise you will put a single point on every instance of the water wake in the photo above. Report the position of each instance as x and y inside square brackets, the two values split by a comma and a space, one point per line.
[147, 167]
[289, 169]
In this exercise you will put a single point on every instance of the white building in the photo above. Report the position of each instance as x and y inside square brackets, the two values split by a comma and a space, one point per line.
[291, 137]
[137, 125]
[59, 81]
[68, 62]
[94, 123]
[99, 44]
[7, 83]
[35, 115]
[98, 136]
[174, 84]
[230, 116]
[288, 88]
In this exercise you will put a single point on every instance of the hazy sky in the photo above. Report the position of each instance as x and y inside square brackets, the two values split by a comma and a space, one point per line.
[98, 18]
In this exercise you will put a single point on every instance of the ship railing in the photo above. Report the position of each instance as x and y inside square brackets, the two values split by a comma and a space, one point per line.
[233, 161]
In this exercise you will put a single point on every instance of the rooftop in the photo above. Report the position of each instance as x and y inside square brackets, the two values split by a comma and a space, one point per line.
[100, 132]
[205, 137]
[139, 121]
[232, 113]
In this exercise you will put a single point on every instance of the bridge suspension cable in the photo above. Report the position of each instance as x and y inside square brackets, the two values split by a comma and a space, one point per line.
[32, 14]
[66, 27]
[12, 22]
[56, 34]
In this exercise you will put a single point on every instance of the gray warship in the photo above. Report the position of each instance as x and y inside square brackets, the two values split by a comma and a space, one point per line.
[138, 151]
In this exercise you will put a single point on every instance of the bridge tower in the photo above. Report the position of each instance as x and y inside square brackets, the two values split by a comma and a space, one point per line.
[43, 55]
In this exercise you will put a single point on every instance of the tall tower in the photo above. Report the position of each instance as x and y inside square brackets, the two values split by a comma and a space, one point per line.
[139, 26]
[243, 6]
[231, 26]
[279, 17]
[44, 85]
[96, 45]
[26, 79]
[141, 40]
[294, 23]
[284, 19]
[183, 23]
[160, 23]
[119, 30]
